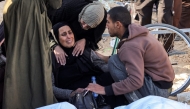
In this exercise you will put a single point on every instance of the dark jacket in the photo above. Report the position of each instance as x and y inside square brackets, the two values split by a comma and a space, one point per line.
[77, 72]
[69, 12]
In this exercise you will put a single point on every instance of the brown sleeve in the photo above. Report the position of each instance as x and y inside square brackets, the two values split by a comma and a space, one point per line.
[55, 3]
[132, 58]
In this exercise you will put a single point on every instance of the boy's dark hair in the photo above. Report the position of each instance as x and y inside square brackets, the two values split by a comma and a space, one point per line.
[120, 14]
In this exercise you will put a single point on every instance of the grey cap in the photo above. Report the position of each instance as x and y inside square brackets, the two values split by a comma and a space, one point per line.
[92, 14]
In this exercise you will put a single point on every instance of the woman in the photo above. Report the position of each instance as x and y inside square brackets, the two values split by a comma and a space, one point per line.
[78, 71]
[87, 20]
[28, 68]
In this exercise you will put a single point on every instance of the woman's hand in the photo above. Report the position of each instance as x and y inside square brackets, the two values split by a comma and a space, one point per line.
[79, 47]
[60, 55]
[79, 90]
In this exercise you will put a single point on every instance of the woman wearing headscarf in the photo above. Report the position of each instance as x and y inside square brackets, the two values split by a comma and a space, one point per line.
[78, 70]
[28, 68]
[87, 19]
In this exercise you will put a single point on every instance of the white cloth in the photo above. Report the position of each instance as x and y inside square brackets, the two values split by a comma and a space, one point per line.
[62, 105]
[155, 102]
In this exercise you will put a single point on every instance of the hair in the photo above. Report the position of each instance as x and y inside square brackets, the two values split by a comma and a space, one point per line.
[120, 14]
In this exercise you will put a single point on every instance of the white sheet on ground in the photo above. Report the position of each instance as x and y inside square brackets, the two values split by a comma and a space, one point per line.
[155, 102]
[62, 105]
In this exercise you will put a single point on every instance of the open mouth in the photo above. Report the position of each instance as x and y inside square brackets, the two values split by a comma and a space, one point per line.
[69, 41]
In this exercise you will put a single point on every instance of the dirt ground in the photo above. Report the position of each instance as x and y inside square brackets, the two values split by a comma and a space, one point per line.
[106, 49]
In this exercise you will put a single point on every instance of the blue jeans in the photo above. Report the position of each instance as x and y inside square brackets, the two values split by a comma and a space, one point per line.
[118, 72]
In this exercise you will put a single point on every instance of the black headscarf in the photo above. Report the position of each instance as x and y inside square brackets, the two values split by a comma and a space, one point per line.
[56, 33]
[56, 29]
[76, 69]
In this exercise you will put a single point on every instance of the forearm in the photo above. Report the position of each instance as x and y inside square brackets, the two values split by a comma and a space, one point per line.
[60, 93]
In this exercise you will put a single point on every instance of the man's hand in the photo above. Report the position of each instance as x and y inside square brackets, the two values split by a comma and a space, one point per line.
[79, 90]
[96, 88]
[60, 55]
[79, 47]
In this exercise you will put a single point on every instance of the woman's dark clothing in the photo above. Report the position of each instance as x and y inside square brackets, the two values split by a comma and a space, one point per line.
[77, 73]
[2, 31]
[69, 12]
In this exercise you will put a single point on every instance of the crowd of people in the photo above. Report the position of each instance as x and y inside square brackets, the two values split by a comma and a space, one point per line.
[50, 46]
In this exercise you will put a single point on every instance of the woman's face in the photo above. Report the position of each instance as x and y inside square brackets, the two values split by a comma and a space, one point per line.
[66, 37]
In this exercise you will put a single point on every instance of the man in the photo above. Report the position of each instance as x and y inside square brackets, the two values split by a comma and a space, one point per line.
[164, 15]
[87, 19]
[141, 67]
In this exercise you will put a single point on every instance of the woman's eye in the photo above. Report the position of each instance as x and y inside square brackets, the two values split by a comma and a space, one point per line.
[64, 34]
[70, 32]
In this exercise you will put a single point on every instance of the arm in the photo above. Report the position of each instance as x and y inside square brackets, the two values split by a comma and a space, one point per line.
[99, 61]
[60, 93]
[58, 51]
[134, 64]
[79, 47]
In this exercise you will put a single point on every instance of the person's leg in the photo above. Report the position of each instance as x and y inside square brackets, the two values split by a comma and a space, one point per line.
[165, 15]
[117, 68]
[118, 73]
[149, 88]
[165, 11]
[185, 15]
[144, 10]
[177, 9]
